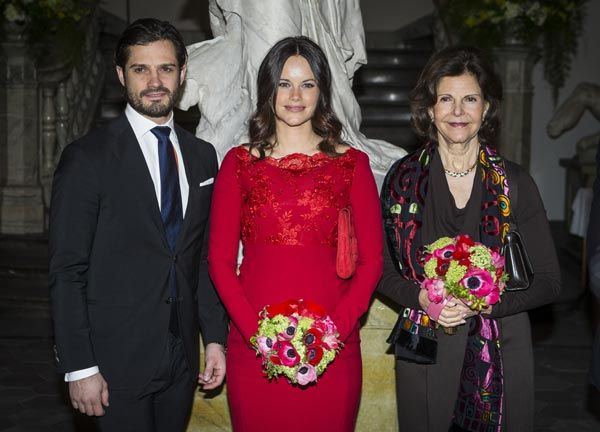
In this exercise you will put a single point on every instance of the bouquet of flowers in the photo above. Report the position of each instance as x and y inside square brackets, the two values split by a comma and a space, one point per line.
[463, 269]
[296, 339]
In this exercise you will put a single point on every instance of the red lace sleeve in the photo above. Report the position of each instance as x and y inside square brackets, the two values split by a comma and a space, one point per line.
[366, 210]
[224, 243]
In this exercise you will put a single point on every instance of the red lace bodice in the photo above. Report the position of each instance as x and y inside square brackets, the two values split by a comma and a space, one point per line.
[286, 211]
[294, 200]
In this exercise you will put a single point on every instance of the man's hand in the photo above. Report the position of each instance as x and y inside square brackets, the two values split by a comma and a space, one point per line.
[214, 369]
[89, 395]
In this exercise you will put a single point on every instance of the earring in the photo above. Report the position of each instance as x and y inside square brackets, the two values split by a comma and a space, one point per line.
[271, 104]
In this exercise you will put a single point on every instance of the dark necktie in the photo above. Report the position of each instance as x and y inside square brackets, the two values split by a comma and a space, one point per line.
[170, 193]
[170, 209]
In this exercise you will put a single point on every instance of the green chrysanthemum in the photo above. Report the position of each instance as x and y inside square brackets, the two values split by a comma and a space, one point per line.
[455, 272]
[442, 242]
[430, 267]
[328, 356]
[480, 256]
[273, 326]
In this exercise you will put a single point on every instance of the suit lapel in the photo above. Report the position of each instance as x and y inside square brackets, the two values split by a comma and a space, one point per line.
[127, 150]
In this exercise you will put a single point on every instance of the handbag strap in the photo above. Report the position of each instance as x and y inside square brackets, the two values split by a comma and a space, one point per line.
[512, 174]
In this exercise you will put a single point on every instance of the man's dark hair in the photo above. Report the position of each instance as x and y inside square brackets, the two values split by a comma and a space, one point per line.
[144, 31]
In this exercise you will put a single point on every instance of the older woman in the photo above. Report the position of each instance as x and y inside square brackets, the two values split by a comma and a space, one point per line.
[480, 377]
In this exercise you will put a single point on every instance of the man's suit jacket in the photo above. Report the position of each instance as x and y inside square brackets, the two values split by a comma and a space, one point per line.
[110, 260]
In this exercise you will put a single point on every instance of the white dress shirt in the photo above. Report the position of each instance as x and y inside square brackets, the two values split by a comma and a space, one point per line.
[149, 145]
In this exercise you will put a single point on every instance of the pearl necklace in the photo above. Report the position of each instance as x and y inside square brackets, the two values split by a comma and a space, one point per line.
[460, 173]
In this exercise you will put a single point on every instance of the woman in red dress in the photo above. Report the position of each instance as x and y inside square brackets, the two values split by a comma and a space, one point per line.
[281, 195]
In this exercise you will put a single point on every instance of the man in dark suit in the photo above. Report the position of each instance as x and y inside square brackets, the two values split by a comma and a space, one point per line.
[128, 238]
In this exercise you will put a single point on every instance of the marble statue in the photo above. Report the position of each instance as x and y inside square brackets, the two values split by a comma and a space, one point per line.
[222, 71]
[586, 96]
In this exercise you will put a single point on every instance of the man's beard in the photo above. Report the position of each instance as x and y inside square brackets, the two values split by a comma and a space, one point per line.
[153, 109]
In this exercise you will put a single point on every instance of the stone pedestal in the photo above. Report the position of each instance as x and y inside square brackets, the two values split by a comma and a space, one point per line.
[21, 202]
[514, 63]
[378, 403]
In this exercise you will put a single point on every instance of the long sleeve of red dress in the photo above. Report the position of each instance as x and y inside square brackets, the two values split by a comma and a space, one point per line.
[366, 212]
[223, 247]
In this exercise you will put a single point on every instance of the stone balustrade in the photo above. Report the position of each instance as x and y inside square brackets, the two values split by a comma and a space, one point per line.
[44, 104]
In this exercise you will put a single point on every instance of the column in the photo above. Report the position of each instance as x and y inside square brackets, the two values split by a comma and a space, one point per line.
[21, 202]
[514, 63]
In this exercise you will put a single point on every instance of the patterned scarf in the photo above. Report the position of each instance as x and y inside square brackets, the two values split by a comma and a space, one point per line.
[479, 404]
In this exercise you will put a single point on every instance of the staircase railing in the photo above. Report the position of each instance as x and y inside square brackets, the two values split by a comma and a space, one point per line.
[68, 97]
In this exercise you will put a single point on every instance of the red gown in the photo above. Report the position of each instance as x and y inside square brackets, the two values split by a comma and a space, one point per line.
[285, 212]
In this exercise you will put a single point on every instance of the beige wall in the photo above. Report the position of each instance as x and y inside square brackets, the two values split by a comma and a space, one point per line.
[388, 15]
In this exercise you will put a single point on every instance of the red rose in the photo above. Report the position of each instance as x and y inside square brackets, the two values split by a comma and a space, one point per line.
[461, 253]
[464, 240]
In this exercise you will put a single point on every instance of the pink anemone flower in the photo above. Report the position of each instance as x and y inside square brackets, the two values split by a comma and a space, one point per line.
[444, 253]
[290, 330]
[287, 353]
[306, 374]
[265, 344]
[479, 282]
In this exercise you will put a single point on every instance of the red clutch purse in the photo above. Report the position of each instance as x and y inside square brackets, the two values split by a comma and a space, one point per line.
[347, 247]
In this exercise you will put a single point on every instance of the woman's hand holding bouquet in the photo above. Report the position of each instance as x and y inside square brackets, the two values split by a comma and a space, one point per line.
[463, 274]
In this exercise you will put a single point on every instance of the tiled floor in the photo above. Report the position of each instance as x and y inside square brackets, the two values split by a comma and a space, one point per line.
[32, 396]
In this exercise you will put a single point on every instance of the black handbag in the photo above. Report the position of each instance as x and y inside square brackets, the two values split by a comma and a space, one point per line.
[516, 260]
[412, 341]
